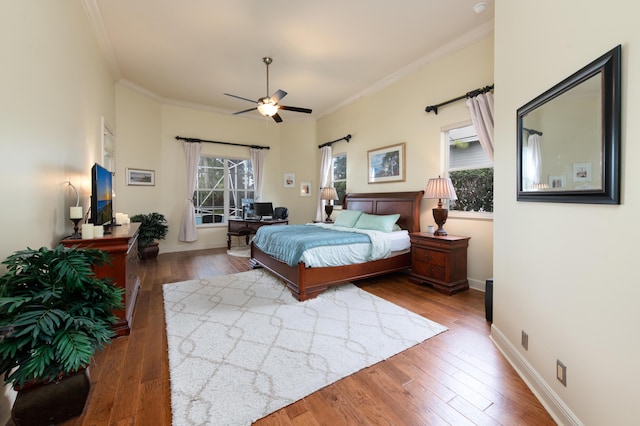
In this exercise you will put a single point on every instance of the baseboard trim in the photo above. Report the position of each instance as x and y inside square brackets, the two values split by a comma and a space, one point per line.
[476, 284]
[549, 399]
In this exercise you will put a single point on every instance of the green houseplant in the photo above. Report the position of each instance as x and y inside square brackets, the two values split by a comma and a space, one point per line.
[54, 315]
[153, 227]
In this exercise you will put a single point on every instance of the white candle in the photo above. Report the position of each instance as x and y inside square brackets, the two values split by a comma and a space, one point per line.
[119, 218]
[98, 231]
[75, 212]
[87, 231]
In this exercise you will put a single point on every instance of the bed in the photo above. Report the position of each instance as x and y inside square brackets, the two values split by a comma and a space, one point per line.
[306, 283]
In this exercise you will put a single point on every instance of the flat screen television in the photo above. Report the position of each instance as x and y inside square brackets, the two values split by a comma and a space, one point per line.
[263, 209]
[101, 196]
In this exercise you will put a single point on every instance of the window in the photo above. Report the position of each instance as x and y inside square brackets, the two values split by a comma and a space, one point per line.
[470, 170]
[222, 185]
[339, 176]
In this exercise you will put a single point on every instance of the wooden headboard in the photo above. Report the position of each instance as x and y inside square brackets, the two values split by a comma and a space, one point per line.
[405, 203]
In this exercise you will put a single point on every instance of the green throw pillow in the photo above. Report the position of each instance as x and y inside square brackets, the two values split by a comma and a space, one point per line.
[374, 222]
[347, 218]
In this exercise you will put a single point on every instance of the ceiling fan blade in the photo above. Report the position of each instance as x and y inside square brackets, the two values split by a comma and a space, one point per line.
[277, 118]
[240, 97]
[278, 95]
[246, 110]
[296, 109]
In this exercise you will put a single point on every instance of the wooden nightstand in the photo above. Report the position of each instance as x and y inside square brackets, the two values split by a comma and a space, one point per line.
[439, 261]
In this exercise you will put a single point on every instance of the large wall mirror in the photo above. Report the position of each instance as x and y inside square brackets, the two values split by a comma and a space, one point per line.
[569, 138]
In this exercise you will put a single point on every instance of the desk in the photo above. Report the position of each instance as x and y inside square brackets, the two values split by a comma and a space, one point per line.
[240, 227]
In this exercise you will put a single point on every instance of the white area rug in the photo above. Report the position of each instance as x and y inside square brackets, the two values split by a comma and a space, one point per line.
[242, 251]
[241, 347]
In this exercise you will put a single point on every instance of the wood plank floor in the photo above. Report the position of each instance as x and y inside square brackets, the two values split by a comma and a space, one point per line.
[455, 378]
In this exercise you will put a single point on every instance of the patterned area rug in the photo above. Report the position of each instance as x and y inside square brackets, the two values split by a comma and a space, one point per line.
[241, 347]
[242, 251]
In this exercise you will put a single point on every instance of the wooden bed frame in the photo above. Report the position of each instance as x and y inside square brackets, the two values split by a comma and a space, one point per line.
[306, 283]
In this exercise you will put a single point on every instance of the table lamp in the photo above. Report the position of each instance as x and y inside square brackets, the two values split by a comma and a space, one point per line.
[75, 213]
[329, 194]
[442, 189]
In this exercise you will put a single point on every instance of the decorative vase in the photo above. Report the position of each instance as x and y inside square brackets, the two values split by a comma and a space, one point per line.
[51, 403]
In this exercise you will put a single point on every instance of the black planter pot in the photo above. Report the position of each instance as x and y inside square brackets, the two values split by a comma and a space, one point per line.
[51, 403]
[149, 252]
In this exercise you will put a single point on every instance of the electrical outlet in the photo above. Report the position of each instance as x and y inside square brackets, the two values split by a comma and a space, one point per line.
[561, 372]
[525, 340]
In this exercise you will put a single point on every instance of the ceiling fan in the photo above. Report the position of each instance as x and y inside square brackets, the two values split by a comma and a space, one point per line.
[268, 105]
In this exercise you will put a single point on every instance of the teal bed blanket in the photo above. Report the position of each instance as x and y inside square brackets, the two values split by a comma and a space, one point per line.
[288, 242]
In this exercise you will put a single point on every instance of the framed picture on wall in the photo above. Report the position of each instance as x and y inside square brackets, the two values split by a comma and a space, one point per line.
[305, 189]
[581, 172]
[557, 181]
[289, 180]
[387, 164]
[141, 177]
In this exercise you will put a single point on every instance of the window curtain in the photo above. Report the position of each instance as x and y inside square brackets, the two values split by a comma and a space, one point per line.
[325, 178]
[257, 164]
[188, 231]
[481, 109]
[533, 161]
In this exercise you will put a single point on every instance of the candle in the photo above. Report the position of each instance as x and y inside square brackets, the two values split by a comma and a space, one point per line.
[98, 231]
[75, 212]
[87, 231]
[119, 218]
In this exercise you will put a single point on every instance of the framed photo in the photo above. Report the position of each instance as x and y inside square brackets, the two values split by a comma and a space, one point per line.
[557, 181]
[305, 189]
[289, 180]
[386, 164]
[581, 172]
[141, 177]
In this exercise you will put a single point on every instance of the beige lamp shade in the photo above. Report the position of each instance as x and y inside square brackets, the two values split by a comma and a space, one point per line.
[440, 188]
[329, 193]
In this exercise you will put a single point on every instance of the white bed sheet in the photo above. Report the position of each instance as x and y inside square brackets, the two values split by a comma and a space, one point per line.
[353, 253]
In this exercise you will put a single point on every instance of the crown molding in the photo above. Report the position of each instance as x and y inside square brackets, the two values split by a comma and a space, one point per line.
[95, 18]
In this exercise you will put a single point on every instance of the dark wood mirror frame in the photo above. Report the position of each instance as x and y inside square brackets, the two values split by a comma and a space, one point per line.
[608, 65]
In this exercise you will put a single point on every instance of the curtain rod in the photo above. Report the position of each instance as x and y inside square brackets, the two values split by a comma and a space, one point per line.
[530, 131]
[471, 94]
[346, 138]
[180, 138]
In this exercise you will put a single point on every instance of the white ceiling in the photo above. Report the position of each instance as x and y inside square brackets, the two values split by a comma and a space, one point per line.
[325, 53]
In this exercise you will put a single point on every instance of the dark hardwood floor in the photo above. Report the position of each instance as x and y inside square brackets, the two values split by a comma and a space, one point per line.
[455, 378]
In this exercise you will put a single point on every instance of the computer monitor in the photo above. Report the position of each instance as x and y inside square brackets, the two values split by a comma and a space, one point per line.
[263, 209]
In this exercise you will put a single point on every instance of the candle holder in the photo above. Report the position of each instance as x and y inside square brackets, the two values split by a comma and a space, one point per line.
[76, 235]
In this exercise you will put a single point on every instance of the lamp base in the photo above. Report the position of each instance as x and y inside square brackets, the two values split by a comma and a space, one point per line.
[440, 216]
[328, 209]
[76, 235]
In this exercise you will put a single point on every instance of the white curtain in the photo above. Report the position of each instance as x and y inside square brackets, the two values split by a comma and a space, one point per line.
[533, 161]
[481, 109]
[325, 178]
[188, 231]
[257, 163]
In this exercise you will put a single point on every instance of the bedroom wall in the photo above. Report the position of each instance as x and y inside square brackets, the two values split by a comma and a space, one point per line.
[566, 273]
[147, 127]
[55, 88]
[396, 114]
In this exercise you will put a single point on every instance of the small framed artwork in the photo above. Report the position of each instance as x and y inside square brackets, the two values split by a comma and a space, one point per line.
[581, 172]
[386, 164]
[289, 180]
[557, 181]
[141, 177]
[305, 189]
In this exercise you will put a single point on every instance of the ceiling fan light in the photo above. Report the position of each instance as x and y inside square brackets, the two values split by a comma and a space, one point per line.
[268, 109]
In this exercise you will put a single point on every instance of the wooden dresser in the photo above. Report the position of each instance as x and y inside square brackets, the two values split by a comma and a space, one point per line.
[439, 261]
[122, 246]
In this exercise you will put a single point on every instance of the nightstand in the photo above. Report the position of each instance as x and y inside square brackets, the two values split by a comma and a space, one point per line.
[439, 261]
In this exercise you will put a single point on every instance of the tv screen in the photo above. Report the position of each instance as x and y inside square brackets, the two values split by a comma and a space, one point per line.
[263, 209]
[101, 196]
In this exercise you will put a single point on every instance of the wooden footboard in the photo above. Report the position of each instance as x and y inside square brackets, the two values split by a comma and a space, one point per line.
[306, 283]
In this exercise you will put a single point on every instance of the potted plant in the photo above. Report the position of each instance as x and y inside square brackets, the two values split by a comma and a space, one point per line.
[153, 227]
[54, 315]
